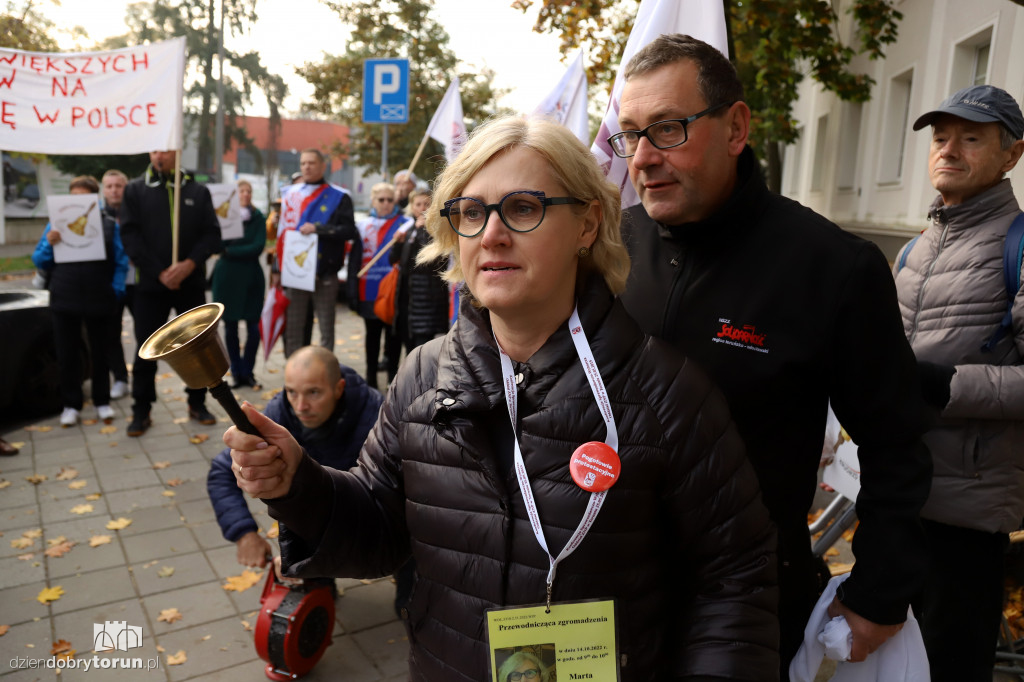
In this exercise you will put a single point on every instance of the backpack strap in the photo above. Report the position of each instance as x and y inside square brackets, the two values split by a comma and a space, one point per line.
[1013, 259]
[906, 252]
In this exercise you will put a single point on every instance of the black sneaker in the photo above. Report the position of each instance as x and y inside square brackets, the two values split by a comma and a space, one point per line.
[140, 423]
[202, 415]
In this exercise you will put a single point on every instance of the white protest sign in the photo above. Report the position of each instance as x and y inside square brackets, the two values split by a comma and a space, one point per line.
[77, 218]
[124, 101]
[229, 211]
[843, 473]
[298, 262]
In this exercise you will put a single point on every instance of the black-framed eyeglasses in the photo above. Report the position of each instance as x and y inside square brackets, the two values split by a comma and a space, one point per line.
[530, 674]
[662, 134]
[521, 211]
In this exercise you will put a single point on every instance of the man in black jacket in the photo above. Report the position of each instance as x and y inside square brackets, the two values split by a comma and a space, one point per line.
[165, 283]
[786, 311]
[328, 408]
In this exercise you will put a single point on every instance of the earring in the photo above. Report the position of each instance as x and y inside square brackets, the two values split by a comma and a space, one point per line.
[583, 252]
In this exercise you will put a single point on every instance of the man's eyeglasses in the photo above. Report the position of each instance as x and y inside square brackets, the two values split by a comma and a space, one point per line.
[530, 674]
[521, 211]
[662, 134]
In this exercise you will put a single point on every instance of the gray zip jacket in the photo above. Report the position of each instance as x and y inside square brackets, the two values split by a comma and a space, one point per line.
[953, 297]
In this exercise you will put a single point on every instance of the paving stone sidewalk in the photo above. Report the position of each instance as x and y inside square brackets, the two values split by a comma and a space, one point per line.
[157, 481]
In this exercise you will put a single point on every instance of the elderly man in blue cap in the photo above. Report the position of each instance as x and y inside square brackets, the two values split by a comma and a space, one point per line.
[963, 313]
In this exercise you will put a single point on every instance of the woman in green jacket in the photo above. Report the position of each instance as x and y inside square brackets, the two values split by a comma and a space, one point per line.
[238, 283]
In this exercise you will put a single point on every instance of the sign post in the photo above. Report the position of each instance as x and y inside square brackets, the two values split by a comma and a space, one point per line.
[385, 97]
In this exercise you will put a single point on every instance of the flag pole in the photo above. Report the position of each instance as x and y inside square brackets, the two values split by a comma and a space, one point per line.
[423, 143]
[380, 252]
[175, 208]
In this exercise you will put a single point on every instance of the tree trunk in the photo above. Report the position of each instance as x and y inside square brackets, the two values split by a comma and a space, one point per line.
[774, 161]
[205, 153]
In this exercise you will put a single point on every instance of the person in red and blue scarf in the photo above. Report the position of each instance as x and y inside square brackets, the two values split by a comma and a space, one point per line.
[377, 231]
[314, 205]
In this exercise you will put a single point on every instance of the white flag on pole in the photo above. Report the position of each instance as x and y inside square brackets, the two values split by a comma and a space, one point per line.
[702, 19]
[115, 102]
[567, 103]
[448, 126]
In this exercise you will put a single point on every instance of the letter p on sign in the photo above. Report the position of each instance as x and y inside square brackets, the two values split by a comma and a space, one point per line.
[386, 81]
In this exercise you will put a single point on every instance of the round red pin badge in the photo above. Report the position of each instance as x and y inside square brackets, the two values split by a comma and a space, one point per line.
[595, 466]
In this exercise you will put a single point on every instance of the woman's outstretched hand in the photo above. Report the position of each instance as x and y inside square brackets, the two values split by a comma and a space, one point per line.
[263, 465]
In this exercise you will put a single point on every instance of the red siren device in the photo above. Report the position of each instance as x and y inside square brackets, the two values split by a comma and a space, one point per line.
[294, 626]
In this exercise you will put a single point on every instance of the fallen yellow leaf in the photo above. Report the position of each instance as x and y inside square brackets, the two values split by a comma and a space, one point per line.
[165, 375]
[34, 533]
[175, 482]
[90, 422]
[198, 438]
[245, 624]
[177, 659]
[206, 638]
[77, 485]
[4, 483]
[60, 646]
[82, 509]
[181, 420]
[36, 479]
[119, 524]
[97, 540]
[161, 465]
[165, 572]
[56, 541]
[241, 583]
[18, 444]
[25, 557]
[22, 543]
[272, 370]
[92, 497]
[274, 531]
[48, 594]
[168, 493]
[59, 550]
[67, 473]
[832, 551]
[160, 649]
[108, 429]
[39, 429]
[5, 628]
[170, 615]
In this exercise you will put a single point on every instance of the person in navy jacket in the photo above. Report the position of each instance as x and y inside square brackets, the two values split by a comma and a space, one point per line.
[328, 408]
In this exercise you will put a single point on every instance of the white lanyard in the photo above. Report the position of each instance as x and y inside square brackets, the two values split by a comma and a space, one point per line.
[586, 356]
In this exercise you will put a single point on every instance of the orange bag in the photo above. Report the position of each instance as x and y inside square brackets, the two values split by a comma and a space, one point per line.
[384, 306]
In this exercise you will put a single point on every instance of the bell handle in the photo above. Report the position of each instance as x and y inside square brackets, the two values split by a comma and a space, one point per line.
[226, 398]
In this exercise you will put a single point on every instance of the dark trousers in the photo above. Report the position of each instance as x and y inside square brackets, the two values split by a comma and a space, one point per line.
[798, 591]
[151, 311]
[242, 360]
[392, 348]
[961, 604]
[67, 332]
[115, 349]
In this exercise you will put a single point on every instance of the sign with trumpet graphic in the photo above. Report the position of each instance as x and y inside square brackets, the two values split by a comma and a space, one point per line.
[298, 265]
[229, 211]
[76, 217]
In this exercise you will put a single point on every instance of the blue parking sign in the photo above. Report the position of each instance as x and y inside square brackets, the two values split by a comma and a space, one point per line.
[386, 91]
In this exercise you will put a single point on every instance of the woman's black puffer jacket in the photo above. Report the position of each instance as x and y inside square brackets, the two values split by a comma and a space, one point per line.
[683, 543]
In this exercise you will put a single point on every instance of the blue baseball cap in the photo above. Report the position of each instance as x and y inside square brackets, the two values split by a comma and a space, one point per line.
[981, 104]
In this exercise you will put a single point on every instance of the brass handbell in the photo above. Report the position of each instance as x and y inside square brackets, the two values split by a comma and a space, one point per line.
[190, 344]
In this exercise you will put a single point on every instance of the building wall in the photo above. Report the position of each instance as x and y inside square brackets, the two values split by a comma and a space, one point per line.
[862, 165]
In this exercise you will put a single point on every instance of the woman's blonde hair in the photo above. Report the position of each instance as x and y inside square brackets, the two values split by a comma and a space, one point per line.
[381, 187]
[572, 165]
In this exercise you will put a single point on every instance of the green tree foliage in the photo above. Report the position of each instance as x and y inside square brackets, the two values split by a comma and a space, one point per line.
[24, 26]
[198, 21]
[774, 44]
[395, 29]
